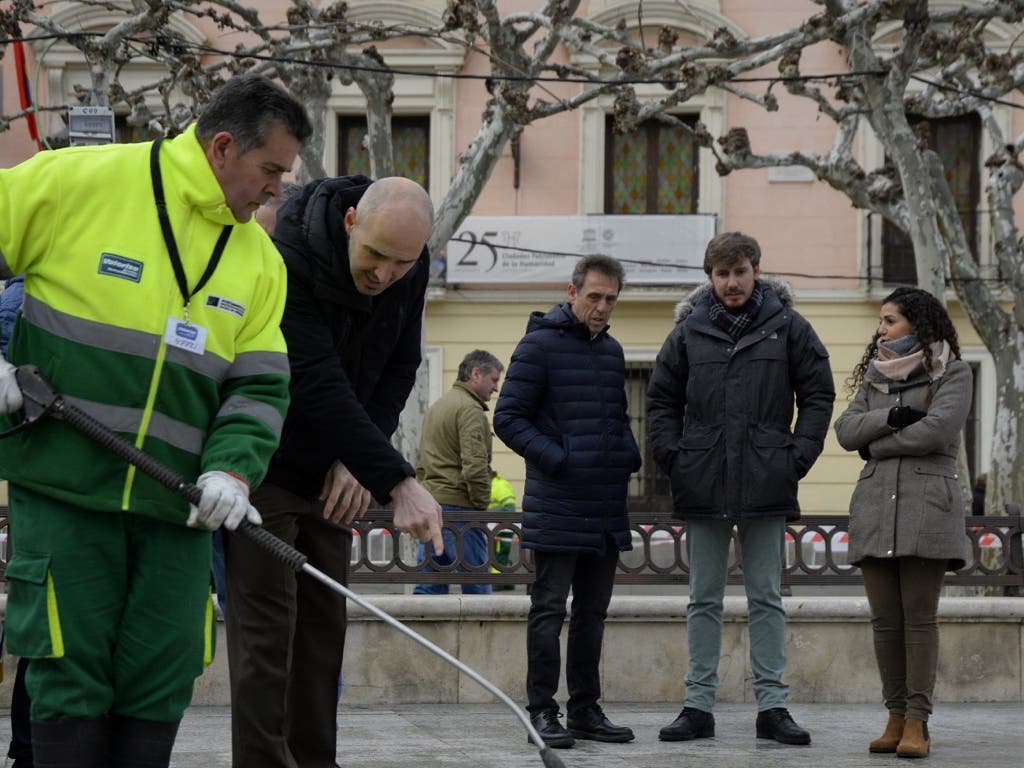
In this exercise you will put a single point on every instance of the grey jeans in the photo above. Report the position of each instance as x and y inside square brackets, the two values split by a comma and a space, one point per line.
[762, 541]
[903, 593]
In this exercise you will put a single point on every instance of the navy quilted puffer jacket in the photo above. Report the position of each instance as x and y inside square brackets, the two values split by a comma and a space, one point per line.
[563, 409]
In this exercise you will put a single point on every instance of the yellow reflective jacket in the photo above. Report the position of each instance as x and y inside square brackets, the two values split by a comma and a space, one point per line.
[81, 223]
[502, 495]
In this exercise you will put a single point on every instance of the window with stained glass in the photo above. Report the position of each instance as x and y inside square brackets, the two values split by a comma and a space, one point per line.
[651, 170]
[957, 141]
[410, 139]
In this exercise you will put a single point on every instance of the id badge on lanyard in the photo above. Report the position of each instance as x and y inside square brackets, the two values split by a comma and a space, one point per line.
[185, 335]
[182, 333]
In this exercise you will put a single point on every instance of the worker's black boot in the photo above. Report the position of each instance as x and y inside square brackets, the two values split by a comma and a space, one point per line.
[142, 743]
[74, 743]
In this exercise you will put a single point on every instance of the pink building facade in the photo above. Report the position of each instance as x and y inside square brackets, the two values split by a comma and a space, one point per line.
[571, 164]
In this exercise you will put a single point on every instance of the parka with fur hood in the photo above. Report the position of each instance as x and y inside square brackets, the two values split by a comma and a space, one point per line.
[720, 411]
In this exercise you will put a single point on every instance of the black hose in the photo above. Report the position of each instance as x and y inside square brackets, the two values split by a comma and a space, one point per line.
[168, 478]
[103, 435]
[279, 548]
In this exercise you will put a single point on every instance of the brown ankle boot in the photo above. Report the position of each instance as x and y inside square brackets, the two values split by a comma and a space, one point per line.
[915, 741]
[888, 741]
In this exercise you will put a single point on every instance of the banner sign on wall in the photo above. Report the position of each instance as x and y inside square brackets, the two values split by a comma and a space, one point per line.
[655, 250]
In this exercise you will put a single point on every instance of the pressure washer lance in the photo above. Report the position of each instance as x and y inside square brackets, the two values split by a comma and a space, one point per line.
[40, 400]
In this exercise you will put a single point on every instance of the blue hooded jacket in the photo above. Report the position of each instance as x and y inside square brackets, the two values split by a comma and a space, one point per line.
[563, 409]
[10, 302]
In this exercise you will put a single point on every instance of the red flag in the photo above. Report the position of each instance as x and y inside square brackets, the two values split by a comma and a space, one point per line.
[24, 92]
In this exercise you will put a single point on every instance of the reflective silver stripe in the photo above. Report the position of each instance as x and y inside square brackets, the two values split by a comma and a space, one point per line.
[183, 436]
[208, 364]
[116, 339]
[89, 332]
[259, 364]
[254, 408]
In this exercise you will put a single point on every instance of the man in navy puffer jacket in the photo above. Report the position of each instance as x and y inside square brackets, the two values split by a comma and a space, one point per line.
[563, 409]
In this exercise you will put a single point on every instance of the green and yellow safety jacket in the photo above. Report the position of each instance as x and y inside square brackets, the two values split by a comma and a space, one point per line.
[100, 302]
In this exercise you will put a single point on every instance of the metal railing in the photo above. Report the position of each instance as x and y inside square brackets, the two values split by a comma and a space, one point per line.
[816, 549]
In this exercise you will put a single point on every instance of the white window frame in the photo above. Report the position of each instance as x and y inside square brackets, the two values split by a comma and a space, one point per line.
[414, 94]
[64, 67]
[1000, 36]
[697, 17]
[985, 404]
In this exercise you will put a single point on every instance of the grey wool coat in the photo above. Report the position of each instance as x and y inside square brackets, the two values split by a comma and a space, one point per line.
[907, 501]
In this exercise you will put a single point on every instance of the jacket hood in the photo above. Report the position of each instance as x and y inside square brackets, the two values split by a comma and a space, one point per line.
[685, 307]
[313, 223]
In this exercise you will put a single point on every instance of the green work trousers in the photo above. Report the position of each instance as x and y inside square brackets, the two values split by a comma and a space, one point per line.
[114, 610]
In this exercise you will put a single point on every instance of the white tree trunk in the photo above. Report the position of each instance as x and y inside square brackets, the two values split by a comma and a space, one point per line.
[477, 165]
[379, 144]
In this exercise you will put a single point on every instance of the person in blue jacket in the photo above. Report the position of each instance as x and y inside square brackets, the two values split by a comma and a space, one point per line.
[563, 409]
[10, 302]
[20, 749]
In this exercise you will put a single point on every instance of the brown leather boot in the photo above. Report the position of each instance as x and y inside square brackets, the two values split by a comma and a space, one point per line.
[915, 741]
[888, 741]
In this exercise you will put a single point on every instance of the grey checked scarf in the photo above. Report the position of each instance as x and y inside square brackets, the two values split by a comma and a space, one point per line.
[735, 324]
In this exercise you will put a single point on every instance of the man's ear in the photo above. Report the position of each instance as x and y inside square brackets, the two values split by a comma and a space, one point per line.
[350, 220]
[217, 149]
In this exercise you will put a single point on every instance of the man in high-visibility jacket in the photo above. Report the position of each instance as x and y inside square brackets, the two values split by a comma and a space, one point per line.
[152, 304]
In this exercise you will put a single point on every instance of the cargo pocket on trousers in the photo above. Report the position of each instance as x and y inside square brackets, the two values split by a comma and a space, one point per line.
[32, 617]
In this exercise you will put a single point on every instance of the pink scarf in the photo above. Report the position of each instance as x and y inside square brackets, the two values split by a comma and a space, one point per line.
[901, 358]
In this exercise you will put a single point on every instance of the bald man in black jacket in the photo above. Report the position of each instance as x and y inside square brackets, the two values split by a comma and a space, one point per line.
[357, 276]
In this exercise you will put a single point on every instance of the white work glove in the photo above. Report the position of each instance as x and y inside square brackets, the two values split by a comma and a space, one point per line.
[225, 502]
[10, 392]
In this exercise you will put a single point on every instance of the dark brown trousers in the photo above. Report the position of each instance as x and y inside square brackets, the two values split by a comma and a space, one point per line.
[903, 593]
[286, 636]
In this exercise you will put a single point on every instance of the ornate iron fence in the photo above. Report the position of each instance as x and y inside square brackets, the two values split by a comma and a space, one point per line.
[815, 552]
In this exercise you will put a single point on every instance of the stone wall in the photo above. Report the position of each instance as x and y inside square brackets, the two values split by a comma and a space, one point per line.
[830, 653]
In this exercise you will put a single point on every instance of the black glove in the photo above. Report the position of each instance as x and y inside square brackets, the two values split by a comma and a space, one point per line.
[901, 416]
[865, 453]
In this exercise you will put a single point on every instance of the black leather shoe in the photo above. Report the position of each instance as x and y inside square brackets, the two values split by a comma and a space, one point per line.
[591, 723]
[778, 724]
[550, 730]
[691, 724]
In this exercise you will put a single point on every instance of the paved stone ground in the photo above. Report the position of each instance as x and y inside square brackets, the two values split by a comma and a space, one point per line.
[491, 736]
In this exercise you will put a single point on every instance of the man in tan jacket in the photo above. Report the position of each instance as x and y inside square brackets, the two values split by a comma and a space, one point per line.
[454, 463]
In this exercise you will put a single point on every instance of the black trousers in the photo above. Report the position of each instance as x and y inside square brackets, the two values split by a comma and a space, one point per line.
[591, 578]
[21, 728]
[286, 637]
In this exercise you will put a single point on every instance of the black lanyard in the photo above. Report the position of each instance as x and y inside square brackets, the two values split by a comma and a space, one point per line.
[172, 246]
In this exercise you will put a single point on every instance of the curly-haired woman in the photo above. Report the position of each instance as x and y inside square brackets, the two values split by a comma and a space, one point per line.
[911, 396]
